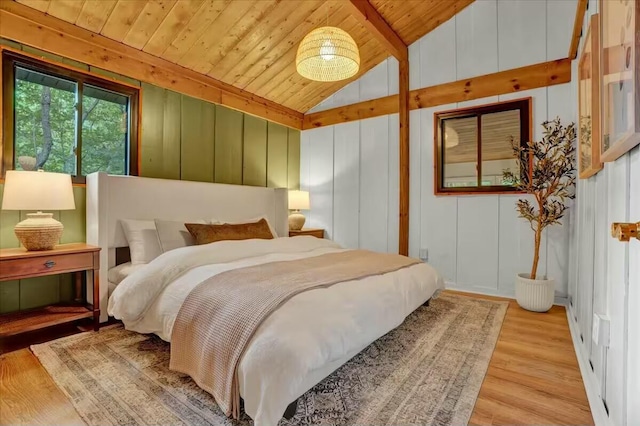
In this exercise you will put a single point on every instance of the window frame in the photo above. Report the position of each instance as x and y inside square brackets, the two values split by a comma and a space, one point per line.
[524, 105]
[10, 58]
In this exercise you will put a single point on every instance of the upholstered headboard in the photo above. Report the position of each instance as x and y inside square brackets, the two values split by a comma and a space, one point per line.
[112, 198]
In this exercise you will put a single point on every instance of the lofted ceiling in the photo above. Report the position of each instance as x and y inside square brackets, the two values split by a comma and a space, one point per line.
[250, 44]
[412, 19]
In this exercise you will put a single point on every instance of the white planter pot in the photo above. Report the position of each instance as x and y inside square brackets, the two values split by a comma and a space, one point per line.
[535, 295]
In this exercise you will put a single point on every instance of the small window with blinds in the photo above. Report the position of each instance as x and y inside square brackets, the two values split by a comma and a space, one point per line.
[473, 146]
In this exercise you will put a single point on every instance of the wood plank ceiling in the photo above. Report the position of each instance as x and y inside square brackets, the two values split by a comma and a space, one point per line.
[250, 44]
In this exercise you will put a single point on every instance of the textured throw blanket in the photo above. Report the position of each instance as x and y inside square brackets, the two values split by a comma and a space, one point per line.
[220, 316]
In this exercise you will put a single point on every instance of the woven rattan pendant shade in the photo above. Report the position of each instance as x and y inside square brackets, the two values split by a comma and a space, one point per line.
[328, 54]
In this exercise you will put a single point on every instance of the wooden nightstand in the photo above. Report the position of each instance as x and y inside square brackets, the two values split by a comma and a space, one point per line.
[17, 263]
[314, 232]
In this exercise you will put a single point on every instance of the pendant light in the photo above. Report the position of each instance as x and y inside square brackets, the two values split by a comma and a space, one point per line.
[328, 54]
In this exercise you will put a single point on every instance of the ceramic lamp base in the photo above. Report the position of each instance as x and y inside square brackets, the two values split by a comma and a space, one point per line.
[296, 221]
[40, 231]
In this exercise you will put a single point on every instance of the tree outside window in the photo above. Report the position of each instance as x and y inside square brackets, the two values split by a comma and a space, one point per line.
[69, 122]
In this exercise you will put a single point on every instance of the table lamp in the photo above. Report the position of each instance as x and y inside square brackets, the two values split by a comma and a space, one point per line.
[298, 200]
[38, 191]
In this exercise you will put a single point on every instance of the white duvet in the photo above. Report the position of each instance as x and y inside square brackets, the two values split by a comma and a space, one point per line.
[302, 342]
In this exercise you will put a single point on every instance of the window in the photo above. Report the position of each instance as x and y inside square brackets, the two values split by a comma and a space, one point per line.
[473, 146]
[66, 121]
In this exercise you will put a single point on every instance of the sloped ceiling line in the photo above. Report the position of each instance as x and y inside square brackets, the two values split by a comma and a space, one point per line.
[251, 44]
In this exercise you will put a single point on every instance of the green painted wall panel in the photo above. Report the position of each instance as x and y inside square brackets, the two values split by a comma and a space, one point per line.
[8, 220]
[67, 287]
[293, 162]
[171, 135]
[75, 221]
[228, 146]
[255, 151]
[41, 291]
[9, 296]
[277, 155]
[198, 140]
[151, 158]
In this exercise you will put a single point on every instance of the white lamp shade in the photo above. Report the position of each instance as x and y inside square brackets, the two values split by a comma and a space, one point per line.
[37, 191]
[298, 200]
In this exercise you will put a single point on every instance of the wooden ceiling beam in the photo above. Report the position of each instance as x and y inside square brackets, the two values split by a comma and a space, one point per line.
[510, 81]
[31, 27]
[577, 28]
[368, 16]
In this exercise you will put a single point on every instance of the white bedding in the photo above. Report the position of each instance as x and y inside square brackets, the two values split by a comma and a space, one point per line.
[302, 342]
[118, 273]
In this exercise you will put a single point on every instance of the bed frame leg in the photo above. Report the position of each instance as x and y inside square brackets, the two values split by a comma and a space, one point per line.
[426, 303]
[291, 410]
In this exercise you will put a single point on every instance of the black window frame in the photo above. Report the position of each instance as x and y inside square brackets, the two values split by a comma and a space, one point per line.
[524, 105]
[12, 59]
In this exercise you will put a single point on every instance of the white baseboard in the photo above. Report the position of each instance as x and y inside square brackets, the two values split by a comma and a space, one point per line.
[559, 299]
[600, 416]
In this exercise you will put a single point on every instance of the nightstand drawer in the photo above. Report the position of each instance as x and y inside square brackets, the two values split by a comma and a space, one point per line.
[314, 232]
[53, 264]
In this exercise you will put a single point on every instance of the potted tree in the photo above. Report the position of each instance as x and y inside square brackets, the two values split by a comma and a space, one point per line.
[551, 181]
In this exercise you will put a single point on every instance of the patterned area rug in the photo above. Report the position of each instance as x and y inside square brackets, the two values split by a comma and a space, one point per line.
[428, 371]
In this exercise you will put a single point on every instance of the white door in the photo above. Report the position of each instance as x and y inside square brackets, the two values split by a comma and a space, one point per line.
[622, 393]
[633, 312]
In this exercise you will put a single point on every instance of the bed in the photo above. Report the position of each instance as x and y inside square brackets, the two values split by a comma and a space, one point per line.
[301, 342]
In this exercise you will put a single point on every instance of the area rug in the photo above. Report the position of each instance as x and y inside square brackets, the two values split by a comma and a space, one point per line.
[428, 371]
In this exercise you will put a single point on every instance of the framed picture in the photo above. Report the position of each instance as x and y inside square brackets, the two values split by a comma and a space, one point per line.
[589, 103]
[620, 35]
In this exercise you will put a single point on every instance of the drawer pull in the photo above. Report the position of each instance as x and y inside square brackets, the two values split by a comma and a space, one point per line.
[49, 263]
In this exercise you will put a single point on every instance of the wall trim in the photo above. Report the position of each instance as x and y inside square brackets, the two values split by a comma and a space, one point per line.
[600, 417]
[559, 299]
[515, 80]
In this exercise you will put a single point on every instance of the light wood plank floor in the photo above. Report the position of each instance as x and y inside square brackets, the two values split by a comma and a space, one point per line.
[533, 378]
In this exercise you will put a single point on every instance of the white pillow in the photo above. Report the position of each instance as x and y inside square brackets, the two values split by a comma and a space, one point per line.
[143, 240]
[173, 234]
[120, 272]
[215, 221]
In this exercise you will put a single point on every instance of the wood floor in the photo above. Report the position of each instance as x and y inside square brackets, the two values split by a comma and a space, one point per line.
[533, 379]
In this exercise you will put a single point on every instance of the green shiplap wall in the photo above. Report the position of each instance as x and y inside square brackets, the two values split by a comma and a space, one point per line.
[254, 156]
[277, 156]
[181, 138]
[197, 140]
[190, 139]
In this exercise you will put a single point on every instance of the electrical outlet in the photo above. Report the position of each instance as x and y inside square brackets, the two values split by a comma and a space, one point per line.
[600, 331]
[424, 254]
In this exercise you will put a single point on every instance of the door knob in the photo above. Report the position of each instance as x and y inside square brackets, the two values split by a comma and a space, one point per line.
[625, 231]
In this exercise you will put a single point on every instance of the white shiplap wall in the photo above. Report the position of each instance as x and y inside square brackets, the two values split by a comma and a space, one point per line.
[351, 170]
[604, 278]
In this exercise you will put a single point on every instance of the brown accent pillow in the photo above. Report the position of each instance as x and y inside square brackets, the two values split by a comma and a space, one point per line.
[209, 233]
